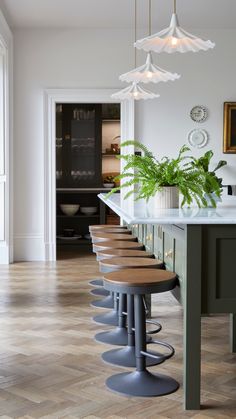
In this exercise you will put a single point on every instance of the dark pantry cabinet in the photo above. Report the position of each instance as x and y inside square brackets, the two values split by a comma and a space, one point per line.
[79, 165]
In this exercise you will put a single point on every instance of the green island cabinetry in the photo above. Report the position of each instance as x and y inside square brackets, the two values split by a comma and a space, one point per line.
[210, 251]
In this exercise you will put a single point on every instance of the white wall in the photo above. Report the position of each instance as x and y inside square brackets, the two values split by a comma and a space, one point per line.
[207, 78]
[79, 58]
[52, 59]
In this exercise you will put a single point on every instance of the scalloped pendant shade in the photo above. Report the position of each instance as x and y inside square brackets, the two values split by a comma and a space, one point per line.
[148, 72]
[173, 39]
[134, 91]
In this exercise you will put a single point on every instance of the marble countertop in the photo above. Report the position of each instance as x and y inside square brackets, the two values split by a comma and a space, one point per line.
[140, 212]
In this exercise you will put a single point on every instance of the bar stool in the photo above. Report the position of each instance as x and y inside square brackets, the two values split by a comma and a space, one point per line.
[102, 237]
[111, 253]
[98, 282]
[117, 244]
[119, 336]
[109, 228]
[112, 317]
[137, 283]
[97, 227]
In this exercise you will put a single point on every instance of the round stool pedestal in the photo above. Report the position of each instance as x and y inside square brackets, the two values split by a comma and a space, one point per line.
[142, 384]
[100, 292]
[118, 337]
[125, 357]
[110, 318]
[96, 283]
[107, 302]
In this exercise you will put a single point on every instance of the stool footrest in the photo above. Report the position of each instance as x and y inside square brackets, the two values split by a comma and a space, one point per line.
[157, 330]
[157, 355]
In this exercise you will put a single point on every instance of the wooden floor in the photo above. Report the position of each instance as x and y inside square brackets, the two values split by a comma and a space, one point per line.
[51, 366]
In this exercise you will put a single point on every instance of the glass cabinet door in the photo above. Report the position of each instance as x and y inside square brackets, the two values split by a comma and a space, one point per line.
[78, 145]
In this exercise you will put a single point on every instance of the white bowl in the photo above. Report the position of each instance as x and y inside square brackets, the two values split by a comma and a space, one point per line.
[108, 185]
[88, 210]
[69, 209]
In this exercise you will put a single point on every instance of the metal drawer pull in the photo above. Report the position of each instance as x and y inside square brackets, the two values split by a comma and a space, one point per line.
[157, 355]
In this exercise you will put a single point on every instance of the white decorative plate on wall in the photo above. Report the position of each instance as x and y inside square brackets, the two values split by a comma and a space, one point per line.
[199, 113]
[198, 138]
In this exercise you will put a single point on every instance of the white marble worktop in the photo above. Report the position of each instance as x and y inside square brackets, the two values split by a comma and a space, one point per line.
[139, 212]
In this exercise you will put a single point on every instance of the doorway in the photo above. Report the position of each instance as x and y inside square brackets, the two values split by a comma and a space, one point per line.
[65, 183]
[87, 147]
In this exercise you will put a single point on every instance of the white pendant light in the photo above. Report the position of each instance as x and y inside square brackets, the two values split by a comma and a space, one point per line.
[134, 91]
[149, 72]
[173, 39]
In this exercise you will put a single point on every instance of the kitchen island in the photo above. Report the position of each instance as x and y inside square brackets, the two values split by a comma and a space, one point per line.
[199, 245]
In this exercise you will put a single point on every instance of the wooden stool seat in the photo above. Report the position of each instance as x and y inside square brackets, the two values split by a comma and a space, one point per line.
[140, 281]
[129, 262]
[110, 230]
[97, 227]
[97, 237]
[111, 253]
[117, 244]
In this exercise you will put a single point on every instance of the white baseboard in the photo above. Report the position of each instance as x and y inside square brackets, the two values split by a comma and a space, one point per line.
[50, 252]
[29, 248]
[4, 253]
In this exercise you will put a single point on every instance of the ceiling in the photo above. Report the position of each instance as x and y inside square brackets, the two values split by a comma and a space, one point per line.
[207, 14]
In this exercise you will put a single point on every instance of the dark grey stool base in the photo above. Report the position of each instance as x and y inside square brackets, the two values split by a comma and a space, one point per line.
[125, 357]
[142, 384]
[110, 318]
[119, 336]
[96, 282]
[107, 302]
[99, 291]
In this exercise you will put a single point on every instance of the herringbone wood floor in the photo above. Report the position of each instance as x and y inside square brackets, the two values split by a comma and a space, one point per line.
[51, 366]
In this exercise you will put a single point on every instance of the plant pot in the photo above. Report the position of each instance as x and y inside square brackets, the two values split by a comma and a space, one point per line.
[168, 197]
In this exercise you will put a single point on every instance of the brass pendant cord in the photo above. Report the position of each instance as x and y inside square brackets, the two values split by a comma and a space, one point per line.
[135, 32]
[150, 18]
[175, 6]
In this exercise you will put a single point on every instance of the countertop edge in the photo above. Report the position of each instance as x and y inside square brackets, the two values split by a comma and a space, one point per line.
[174, 219]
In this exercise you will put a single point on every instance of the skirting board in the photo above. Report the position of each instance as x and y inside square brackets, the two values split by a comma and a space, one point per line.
[4, 253]
[29, 248]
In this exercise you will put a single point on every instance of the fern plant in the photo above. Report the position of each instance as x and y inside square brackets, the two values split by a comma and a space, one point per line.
[204, 163]
[149, 175]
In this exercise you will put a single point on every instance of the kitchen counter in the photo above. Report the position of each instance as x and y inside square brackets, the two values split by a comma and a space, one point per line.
[140, 212]
[199, 246]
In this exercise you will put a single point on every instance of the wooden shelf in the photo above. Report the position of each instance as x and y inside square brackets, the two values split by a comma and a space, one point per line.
[110, 154]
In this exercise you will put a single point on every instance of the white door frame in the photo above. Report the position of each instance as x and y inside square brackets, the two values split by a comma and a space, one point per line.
[6, 162]
[52, 97]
